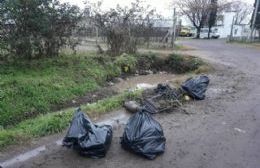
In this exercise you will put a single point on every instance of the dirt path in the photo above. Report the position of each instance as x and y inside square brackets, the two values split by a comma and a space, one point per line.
[221, 131]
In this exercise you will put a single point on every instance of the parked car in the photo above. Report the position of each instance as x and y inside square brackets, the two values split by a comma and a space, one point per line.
[185, 32]
[204, 33]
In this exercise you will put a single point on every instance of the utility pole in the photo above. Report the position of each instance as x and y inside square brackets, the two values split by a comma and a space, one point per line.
[173, 28]
[254, 20]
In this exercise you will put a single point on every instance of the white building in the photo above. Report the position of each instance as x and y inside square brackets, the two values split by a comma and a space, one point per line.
[224, 26]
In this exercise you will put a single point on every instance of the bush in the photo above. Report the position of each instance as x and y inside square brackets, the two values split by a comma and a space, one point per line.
[112, 71]
[34, 28]
[181, 64]
[150, 61]
[122, 26]
[127, 63]
[146, 61]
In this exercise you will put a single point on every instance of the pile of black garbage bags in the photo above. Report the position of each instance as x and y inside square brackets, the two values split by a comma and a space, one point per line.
[142, 135]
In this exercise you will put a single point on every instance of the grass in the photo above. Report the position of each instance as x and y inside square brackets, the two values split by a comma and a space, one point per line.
[30, 89]
[56, 122]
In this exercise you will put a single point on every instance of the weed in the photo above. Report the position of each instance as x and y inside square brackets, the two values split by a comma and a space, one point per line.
[182, 64]
[127, 63]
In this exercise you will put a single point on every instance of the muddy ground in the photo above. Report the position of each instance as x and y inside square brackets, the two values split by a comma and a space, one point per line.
[220, 131]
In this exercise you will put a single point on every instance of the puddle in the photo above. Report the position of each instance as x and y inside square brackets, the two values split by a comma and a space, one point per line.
[115, 121]
[143, 81]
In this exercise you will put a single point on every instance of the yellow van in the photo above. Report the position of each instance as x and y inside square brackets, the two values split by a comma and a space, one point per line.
[185, 32]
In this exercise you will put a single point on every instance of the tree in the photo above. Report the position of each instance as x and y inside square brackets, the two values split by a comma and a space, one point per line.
[213, 15]
[200, 12]
[35, 28]
[257, 22]
[121, 26]
[243, 11]
[197, 11]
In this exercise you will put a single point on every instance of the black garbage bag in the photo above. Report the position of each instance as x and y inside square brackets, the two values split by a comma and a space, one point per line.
[196, 87]
[143, 135]
[87, 138]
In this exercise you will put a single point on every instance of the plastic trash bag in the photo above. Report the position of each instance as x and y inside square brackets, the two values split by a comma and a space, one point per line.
[87, 138]
[143, 135]
[196, 87]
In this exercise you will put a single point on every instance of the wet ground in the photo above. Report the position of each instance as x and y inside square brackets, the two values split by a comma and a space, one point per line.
[151, 79]
[221, 131]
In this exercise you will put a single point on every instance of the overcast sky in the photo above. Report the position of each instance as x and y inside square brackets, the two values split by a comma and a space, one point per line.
[161, 6]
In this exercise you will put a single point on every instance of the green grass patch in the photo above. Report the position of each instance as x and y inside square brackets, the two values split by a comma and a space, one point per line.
[56, 122]
[30, 89]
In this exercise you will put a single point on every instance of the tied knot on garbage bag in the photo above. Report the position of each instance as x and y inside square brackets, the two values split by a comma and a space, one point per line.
[87, 138]
[143, 135]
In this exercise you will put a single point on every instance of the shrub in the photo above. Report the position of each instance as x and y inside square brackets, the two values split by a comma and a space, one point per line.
[146, 60]
[181, 64]
[127, 63]
[34, 28]
[112, 71]
[123, 26]
[150, 61]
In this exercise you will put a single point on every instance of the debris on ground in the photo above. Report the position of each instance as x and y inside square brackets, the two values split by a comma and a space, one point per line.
[143, 135]
[144, 86]
[240, 130]
[165, 97]
[111, 83]
[196, 87]
[87, 138]
[132, 106]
